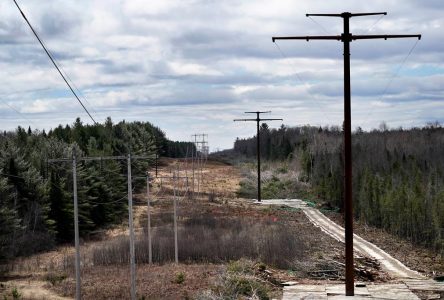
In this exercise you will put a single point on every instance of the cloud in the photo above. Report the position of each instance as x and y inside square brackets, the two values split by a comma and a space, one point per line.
[194, 65]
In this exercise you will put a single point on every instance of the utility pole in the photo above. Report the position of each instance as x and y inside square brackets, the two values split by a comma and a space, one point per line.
[131, 233]
[258, 145]
[194, 153]
[157, 157]
[176, 250]
[346, 37]
[150, 250]
[76, 223]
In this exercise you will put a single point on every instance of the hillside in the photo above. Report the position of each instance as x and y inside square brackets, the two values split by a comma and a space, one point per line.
[36, 196]
[398, 175]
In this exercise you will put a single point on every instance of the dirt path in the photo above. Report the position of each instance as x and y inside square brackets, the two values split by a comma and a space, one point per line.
[390, 264]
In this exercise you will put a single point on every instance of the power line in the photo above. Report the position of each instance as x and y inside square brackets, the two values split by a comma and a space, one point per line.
[320, 26]
[399, 68]
[53, 61]
[392, 78]
[374, 24]
[305, 84]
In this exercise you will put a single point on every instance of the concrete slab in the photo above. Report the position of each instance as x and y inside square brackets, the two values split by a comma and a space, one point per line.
[305, 296]
[343, 297]
[340, 290]
[305, 288]
[397, 291]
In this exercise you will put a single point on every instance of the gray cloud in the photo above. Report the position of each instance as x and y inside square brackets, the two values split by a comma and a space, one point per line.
[195, 65]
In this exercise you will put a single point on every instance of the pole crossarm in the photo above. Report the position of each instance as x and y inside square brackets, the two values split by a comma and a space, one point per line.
[236, 120]
[341, 38]
[346, 14]
[385, 36]
[323, 15]
[308, 37]
[271, 119]
[98, 158]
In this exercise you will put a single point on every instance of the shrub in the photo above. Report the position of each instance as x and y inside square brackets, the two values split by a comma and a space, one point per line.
[55, 278]
[15, 293]
[179, 278]
[226, 239]
[242, 266]
[245, 285]
[246, 189]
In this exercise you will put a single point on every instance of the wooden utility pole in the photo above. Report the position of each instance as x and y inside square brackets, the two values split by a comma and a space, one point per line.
[193, 155]
[148, 212]
[76, 224]
[258, 145]
[346, 37]
[176, 250]
[157, 157]
[131, 231]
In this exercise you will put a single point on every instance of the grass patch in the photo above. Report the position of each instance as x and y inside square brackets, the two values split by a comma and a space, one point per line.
[55, 278]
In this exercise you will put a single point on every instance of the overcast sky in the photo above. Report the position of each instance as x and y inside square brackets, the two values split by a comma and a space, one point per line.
[193, 66]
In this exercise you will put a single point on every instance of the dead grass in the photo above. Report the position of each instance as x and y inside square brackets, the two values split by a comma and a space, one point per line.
[153, 282]
[226, 238]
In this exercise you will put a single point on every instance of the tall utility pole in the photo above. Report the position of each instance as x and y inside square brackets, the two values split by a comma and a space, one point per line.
[131, 232]
[176, 248]
[148, 212]
[157, 157]
[76, 223]
[346, 37]
[193, 155]
[258, 145]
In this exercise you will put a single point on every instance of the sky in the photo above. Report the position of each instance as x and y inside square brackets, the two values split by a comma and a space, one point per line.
[192, 66]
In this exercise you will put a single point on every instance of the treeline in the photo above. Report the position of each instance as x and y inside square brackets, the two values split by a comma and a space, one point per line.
[398, 175]
[36, 201]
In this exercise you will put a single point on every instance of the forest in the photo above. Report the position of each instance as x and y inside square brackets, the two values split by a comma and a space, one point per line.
[36, 196]
[398, 174]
